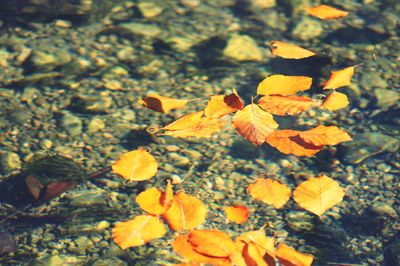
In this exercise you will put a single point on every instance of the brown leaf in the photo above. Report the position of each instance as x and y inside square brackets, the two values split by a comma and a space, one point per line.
[285, 105]
[324, 135]
[283, 85]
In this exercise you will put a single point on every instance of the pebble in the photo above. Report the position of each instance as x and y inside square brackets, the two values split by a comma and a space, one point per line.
[96, 125]
[386, 97]
[135, 28]
[45, 144]
[243, 48]
[57, 260]
[177, 159]
[149, 9]
[109, 261]
[383, 209]
[86, 198]
[91, 103]
[263, 4]
[10, 161]
[48, 61]
[71, 123]
[307, 29]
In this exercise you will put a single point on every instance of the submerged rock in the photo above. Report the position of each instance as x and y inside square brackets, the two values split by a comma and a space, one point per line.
[7, 243]
[243, 48]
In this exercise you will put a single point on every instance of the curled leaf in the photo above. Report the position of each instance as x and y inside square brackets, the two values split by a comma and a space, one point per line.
[318, 194]
[254, 124]
[335, 101]
[136, 165]
[288, 256]
[285, 105]
[290, 51]
[162, 104]
[220, 105]
[326, 12]
[324, 135]
[237, 213]
[138, 231]
[270, 192]
[283, 85]
[339, 78]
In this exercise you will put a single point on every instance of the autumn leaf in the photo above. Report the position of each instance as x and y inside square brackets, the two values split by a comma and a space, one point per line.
[220, 105]
[325, 12]
[318, 194]
[335, 101]
[339, 78]
[194, 125]
[283, 85]
[264, 244]
[288, 256]
[289, 142]
[324, 135]
[162, 104]
[254, 124]
[285, 105]
[290, 51]
[137, 165]
[237, 213]
[138, 231]
[155, 201]
[186, 212]
[212, 243]
[270, 192]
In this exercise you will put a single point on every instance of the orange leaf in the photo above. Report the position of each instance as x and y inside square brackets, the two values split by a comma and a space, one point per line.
[237, 214]
[282, 105]
[162, 104]
[335, 101]
[339, 78]
[183, 247]
[323, 135]
[290, 51]
[138, 231]
[318, 194]
[270, 192]
[186, 212]
[211, 243]
[325, 12]
[136, 165]
[254, 124]
[264, 244]
[194, 125]
[290, 257]
[283, 85]
[155, 201]
[220, 105]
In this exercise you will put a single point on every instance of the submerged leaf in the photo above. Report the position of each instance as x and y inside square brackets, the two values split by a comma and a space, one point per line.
[290, 51]
[162, 104]
[285, 105]
[270, 192]
[339, 78]
[283, 85]
[326, 12]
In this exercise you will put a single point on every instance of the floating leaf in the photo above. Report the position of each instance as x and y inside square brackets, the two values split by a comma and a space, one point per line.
[185, 213]
[324, 135]
[285, 105]
[270, 192]
[339, 78]
[220, 105]
[138, 231]
[136, 165]
[264, 244]
[155, 201]
[325, 12]
[283, 85]
[162, 104]
[288, 256]
[254, 124]
[290, 51]
[318, 194]
[212, 243]
[194, 125]
[289, 142]
[237, 213]
[335, 101]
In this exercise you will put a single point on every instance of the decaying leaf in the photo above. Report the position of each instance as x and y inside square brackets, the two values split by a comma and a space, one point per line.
[335, 101]
[339, 78]
[318, 194]
[138, 231]
[288, 256]
[270, 192]
[194, 125]
[254, 124]
[220, 105]
[155, 201]
[324, 135]
[290, 51]
[186, 212]
[162, 104]
[237, 213]
[325, 12]
[136, 165]
[285, 105]
[289, 142]
[283, 85]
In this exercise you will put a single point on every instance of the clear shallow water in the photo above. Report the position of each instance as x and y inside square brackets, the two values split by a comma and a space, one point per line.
[73, 71]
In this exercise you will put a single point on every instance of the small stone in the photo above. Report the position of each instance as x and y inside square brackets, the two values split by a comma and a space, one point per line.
[113, 85]
[96, 125]
[190, 3]
[386, 97]
[85, 198]
[372, 79]
[126, 54]
[149, 9]
[307, 29]
[83, 243]
[91, 103]
[71, 123]
[45, 144]
[178, 160]
[243, 48]
[147, 30]
[181, 44]
[263, 4]
[10, 161]
[62, 23]
[48, 61]
[57, 260]
[383, 209]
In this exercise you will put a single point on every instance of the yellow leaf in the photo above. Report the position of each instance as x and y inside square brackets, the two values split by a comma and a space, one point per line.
[138, 231]
[254, 124]
[186, 212]
[264, 244]
[325, 12]
[339, 78]
[162, 104]
[323, 135]
[237, 214]
[136, 165]
[285, 105]
[335, 101]
[290, 51]
[212, 243]
[288, 256]
[318, 194]
[220, 105]
[283, 85]
[270, 192]
[155, 201]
